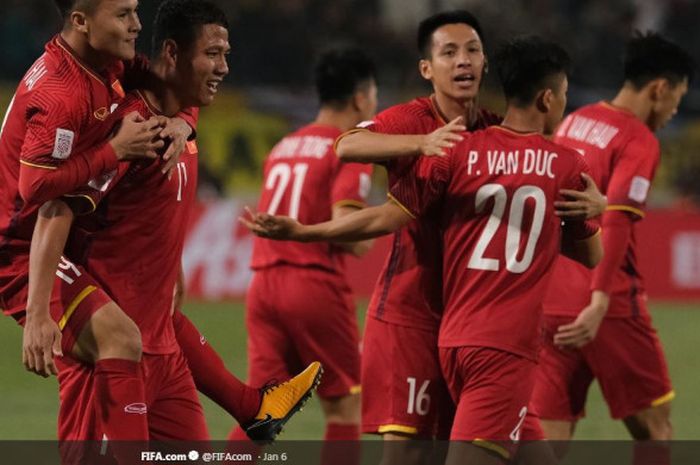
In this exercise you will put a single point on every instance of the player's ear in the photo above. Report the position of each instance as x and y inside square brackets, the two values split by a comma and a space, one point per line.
[169, 52]
[658, 88]
[425, 68]
[78, 20]
[544, 100]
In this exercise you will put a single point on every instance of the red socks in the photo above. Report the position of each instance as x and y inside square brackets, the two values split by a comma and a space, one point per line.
[121, 399]
[342, 445]
[211, 375]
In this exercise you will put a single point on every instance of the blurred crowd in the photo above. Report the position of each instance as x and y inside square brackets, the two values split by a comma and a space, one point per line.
[274, 43]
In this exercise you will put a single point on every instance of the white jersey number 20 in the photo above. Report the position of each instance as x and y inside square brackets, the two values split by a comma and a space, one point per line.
[515, 223]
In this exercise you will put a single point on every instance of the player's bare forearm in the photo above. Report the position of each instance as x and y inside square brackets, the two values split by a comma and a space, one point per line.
[359, 248]
[367, 223]
[370, 147]
[42, 337]
[587, 252]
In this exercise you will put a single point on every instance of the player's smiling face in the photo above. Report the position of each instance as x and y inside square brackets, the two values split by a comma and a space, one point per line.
[112, 28]
[456, 62]
[205, 65]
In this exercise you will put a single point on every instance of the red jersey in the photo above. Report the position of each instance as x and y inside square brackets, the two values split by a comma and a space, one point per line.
[137, 235]
[409, 289]
[623, 155]
[494, 198]
[61, 108]
[304, 179]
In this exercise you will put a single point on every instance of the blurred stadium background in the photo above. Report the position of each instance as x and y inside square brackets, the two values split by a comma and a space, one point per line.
[269, 93]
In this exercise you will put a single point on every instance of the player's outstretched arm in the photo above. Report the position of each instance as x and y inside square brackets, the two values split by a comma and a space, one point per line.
[42, 336]
[358, 248]
[367, 223]
[371, 147]
[588, 203]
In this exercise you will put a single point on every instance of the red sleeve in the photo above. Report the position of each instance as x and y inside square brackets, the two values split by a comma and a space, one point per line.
[423, 185]
[48, 166]
[632, 173]
[352, 185]
[617, 231]
[41, 184]
[392, 121]
[191, 117]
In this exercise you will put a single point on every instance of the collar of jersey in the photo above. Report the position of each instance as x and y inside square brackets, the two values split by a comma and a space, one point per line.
[610, 106]
[152, 108]
[91, 72]
[513, 131]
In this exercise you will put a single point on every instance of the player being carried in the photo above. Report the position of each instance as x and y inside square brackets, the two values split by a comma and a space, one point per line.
[110, 333]
[493, 196]
[602, 315]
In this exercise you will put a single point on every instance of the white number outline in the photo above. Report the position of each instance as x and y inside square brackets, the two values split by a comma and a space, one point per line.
[477, 261]
[420, 402]
[278, 179]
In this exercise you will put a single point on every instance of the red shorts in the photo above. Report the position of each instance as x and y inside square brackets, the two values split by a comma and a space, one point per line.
[174, 411]
[75, 297]
[625, 357]
[491, 389]
[296, 315]
[402, 386]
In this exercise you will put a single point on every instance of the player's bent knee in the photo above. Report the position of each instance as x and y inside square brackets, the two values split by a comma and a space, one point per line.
[112, 334]
[342, 410]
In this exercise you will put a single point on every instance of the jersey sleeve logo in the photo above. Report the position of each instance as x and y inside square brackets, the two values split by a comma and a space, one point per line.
[63, 144]
[639, 189]
[365, 124]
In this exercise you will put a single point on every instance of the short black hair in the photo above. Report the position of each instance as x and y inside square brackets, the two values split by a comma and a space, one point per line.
[650, 56]
[66, 7]
[340, 72]
[528, 64]
[429, 25]
[182, 20]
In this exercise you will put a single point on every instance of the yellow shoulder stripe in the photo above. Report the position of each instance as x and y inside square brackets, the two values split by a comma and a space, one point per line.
[401, 206]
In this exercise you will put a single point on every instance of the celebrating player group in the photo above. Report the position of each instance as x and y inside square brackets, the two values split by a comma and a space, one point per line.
[511, 284]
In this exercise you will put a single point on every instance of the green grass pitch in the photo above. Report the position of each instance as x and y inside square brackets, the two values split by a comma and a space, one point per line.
[28, 404]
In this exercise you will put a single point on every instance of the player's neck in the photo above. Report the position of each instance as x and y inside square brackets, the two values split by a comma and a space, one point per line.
[161, 94]
[633, 101]
[341, 119]
[524, 120]
[81, 48]
[450, 108]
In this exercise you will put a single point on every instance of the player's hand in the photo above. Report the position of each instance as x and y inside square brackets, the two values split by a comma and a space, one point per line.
[41, 341]
[137, 138]
[177, 132]
[584, 329]
[587, 203]
[437, 142]
[271, 227]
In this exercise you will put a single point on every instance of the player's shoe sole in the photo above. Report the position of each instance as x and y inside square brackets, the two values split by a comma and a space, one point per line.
[273, 414]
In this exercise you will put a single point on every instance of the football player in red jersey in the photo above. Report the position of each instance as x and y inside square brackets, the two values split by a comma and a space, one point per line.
[146, 215]
[602, 315]
[406, 305]
[495, 269]
[55, 139]
[291, 324]
[407, 302]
